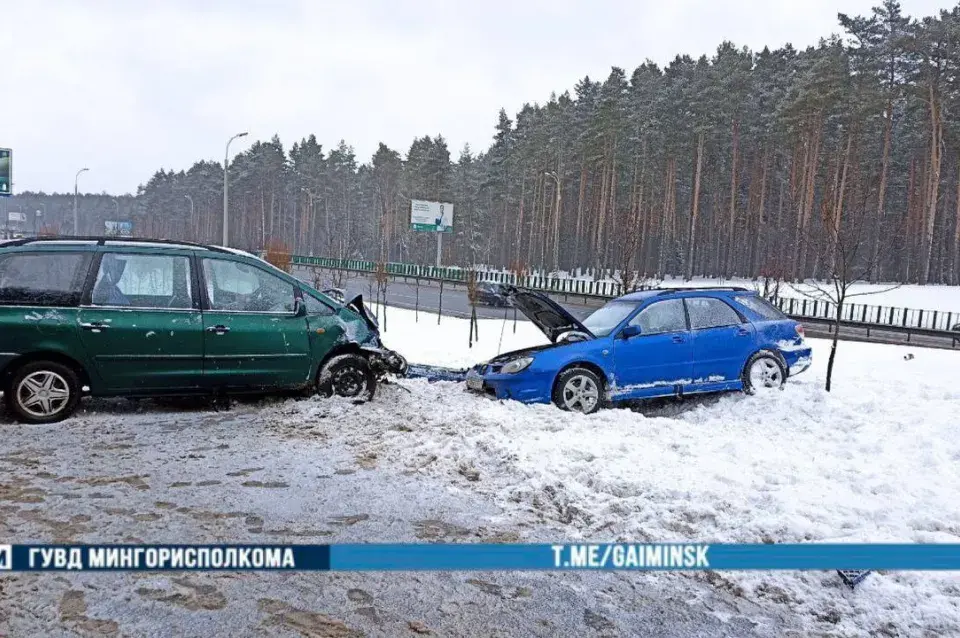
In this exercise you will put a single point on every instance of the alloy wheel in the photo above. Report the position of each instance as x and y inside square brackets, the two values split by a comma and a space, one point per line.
[765, 373]
[580, 394]
[43, 393]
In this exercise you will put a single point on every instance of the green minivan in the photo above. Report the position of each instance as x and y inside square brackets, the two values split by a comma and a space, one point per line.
[112, 317]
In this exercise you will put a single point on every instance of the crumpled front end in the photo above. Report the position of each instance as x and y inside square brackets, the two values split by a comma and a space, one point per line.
[385, 361]
[528, 386]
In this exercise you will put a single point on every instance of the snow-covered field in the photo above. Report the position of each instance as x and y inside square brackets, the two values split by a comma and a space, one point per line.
[876, 460]
[932, 297]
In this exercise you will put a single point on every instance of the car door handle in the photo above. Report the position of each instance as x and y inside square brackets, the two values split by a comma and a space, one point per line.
[742, 332]
[678, 339]
[218, 329]
[94, 327]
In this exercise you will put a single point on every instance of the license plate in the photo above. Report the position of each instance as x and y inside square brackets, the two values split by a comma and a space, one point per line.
[474, 381]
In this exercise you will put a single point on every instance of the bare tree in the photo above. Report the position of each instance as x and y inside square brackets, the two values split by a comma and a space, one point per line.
[846, 244]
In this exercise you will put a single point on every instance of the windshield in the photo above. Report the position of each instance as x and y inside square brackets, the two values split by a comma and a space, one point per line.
[604, 320]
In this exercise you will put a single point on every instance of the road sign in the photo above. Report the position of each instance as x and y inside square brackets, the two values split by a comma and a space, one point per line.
[431, 217]
[6, 172]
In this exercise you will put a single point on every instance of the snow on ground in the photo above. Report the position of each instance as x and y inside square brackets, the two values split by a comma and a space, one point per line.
[932, 297]
[876, 460]
[421, 339]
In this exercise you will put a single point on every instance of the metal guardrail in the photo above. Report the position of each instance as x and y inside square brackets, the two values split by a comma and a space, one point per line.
[888, 318]
[605, 289]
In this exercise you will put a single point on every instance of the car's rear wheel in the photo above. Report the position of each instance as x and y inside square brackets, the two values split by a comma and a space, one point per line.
[763, 372]
[578, 390]
[43, 392]
[348, 376]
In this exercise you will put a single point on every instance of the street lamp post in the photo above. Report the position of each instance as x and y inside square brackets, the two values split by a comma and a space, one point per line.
[36, 219]
[76, 221]
[556, 223]
[226, 186]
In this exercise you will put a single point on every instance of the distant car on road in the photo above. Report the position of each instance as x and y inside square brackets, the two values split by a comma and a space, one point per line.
[654, 343]
[112, 317]
[489, 294]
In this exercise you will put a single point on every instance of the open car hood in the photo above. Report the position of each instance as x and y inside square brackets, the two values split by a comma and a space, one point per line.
[356, 304]
[552, 318]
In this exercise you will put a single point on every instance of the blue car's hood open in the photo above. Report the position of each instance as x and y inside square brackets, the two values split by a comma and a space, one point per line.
[552, 318]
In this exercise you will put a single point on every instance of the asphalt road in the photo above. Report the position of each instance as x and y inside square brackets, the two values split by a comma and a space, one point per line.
[426, 297]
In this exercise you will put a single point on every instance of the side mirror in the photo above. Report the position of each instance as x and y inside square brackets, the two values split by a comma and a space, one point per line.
[299, 308]
[630, 331]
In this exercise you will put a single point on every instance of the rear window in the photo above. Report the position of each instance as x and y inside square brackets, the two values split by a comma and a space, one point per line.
[43, 279]
[762, 307]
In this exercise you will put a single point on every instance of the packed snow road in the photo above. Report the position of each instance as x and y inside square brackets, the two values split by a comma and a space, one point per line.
[873, 461]
[289, 472]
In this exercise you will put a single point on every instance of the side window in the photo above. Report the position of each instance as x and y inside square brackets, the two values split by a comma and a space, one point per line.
[706, 312]
[762, 307]
[315, 307]
[233, 285]
[661, 317]
[43, 279]
[143, 281]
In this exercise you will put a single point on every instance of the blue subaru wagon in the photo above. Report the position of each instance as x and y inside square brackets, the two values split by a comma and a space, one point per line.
[654, 343]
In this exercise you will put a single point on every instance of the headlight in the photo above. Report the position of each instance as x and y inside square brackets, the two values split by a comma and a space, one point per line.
[517, 365]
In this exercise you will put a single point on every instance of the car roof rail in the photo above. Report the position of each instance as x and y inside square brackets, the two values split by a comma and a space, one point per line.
[668, 291]
[102, 240]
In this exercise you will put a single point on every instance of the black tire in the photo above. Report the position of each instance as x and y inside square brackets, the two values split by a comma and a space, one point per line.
[348, 376]
[52, 407]
[774, 365]
[561, 389]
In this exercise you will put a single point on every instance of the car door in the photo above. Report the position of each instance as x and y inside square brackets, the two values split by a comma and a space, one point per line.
[657, 360]
[40, 294]
[253, 336]
[722, 341]
[140, 324]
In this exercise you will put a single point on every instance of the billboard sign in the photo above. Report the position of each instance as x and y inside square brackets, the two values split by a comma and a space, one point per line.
[431, 217]
[118, 229]
[6, 172]
[16, 218]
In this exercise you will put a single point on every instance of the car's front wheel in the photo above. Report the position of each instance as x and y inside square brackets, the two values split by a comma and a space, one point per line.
[578, 390]
[349, 376]
[764, 371]
[43, 392]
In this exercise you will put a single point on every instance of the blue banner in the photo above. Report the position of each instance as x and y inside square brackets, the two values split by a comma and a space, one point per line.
[479, 557]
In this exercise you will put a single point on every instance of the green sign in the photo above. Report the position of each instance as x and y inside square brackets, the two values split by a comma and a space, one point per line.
[6, 172]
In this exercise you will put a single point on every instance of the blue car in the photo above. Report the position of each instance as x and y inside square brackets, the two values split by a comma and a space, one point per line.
[654, 343]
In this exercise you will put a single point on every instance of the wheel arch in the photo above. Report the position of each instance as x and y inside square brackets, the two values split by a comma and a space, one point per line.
[58, 357]
[581, 363]
[349, 347]
[774, 352]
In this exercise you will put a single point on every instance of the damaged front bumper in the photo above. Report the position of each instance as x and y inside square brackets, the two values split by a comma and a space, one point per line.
[384, 361]
[528, 386]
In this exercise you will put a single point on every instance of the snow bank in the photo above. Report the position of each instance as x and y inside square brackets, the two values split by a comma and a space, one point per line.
[876, 460]
[419, 338]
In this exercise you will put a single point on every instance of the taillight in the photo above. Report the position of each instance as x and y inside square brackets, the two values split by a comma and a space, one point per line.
[800, 331]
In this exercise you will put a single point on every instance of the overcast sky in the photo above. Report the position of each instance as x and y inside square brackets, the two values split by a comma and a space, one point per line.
[126, 88]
